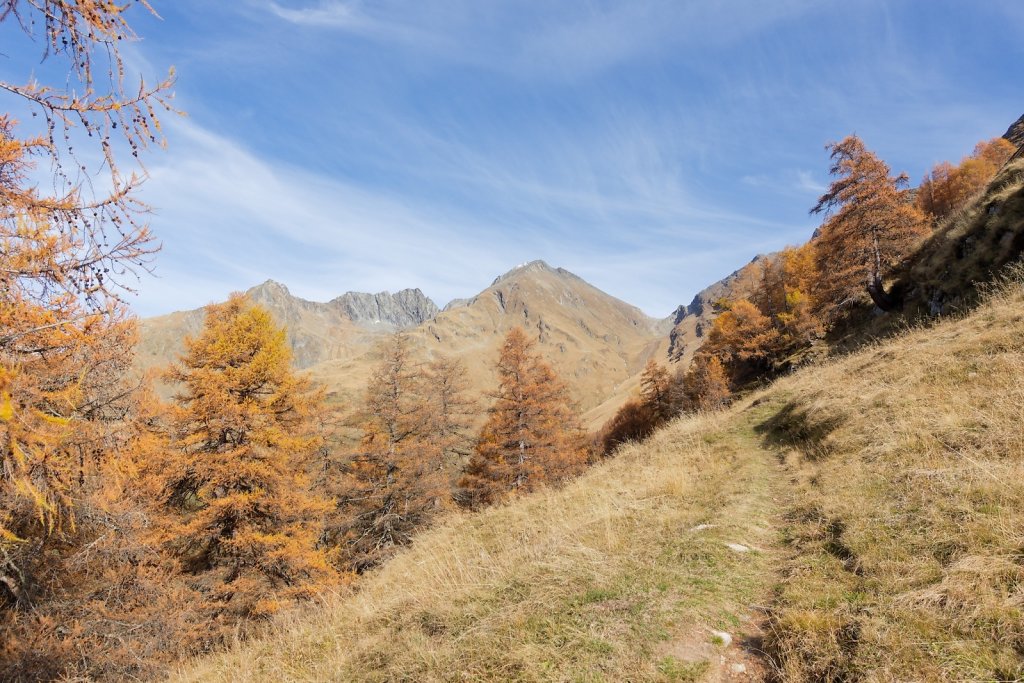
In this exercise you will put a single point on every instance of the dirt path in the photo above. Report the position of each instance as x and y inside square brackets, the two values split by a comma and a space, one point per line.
[747, 523]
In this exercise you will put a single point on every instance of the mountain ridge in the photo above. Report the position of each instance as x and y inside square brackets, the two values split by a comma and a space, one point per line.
[595, 341]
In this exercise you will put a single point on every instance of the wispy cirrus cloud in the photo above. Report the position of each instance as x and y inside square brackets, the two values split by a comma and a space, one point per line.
[551, 40]
[352, 17]
[651, 146]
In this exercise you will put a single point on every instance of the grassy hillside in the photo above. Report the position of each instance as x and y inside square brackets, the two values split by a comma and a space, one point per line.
[861, 520]
[968, 247]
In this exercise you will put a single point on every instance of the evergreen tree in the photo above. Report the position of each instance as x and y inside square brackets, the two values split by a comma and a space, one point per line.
[656, 393]
[451, 411]
[707, 384]
[242, 432]
[871, 227]
[396, 484]
[532, 434]
[946, 188]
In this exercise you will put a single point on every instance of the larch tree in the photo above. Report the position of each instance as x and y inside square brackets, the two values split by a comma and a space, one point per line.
[451, 411]
[946, 188]
[707, 384]
[241, 518]
[797, 320]
[660, 400]
[743, 338]
[784, 297]
[532, 435]
[396, 483]
[656, 392]
[871, 226]
[67, 253]
[632, 422]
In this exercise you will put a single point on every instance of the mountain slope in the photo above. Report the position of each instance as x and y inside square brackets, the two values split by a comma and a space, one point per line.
[857, 520]
[1015, 133]
[344, 327]
[691, 322]
[595, 341]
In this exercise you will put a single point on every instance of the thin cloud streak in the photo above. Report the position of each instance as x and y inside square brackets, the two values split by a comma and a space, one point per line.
[238, 219]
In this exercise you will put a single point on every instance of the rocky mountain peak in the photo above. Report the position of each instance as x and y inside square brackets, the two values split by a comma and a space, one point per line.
[537, 266]
[269, 292]
[403, 309]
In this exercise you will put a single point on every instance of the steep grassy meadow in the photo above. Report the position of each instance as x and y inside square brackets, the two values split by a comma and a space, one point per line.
[859, 520]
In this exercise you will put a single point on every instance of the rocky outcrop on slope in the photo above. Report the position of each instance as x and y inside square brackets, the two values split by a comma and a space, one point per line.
[691, 322]
[401, 310]
[1015, 133]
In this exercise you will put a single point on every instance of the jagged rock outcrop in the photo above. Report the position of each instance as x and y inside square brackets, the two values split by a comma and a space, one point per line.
[401, 310]
[317, 332]
[690, 322]
[1015, 133]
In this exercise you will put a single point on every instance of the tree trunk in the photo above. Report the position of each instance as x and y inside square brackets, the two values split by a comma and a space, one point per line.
[884, 300]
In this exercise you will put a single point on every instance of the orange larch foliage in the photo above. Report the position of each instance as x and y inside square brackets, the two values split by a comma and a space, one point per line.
[871, 227]
[946, 188]
[241, 517]
[742, 335]
[631, 422]
[75, 581]
[64, 255]
[532, 434]
[797, 320]
[656, 392]
[707, 384]
[658, 403]
[451, 410]
[65, 349]
[396, 483]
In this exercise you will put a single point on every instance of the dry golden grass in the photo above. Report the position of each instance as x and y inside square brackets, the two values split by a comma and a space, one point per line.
[883, 494]
[602, 580]
[906, 530]
[970, 245]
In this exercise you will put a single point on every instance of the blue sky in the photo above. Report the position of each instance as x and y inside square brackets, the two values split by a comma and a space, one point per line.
[649, 146]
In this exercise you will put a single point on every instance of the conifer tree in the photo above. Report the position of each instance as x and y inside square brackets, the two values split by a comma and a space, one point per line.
[783, 296]
[656, 392]
[396, 483]
[742, 337]
[66, 246]
[871, 227]
[631, 422]
[71, 239]
[532, 434]
[64, 385]
[707, 384]
[946, 187]
[451, 411]
[242, 519]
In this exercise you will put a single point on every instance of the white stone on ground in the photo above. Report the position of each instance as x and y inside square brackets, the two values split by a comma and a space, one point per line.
[737, 547]
[722, 636]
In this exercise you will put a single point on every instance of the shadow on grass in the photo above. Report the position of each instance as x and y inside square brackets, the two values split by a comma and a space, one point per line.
[796, 426]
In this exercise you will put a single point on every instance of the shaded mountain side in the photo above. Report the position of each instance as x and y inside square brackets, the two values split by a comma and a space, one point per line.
[1015, 133]
[968, 248]
[691, 322]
